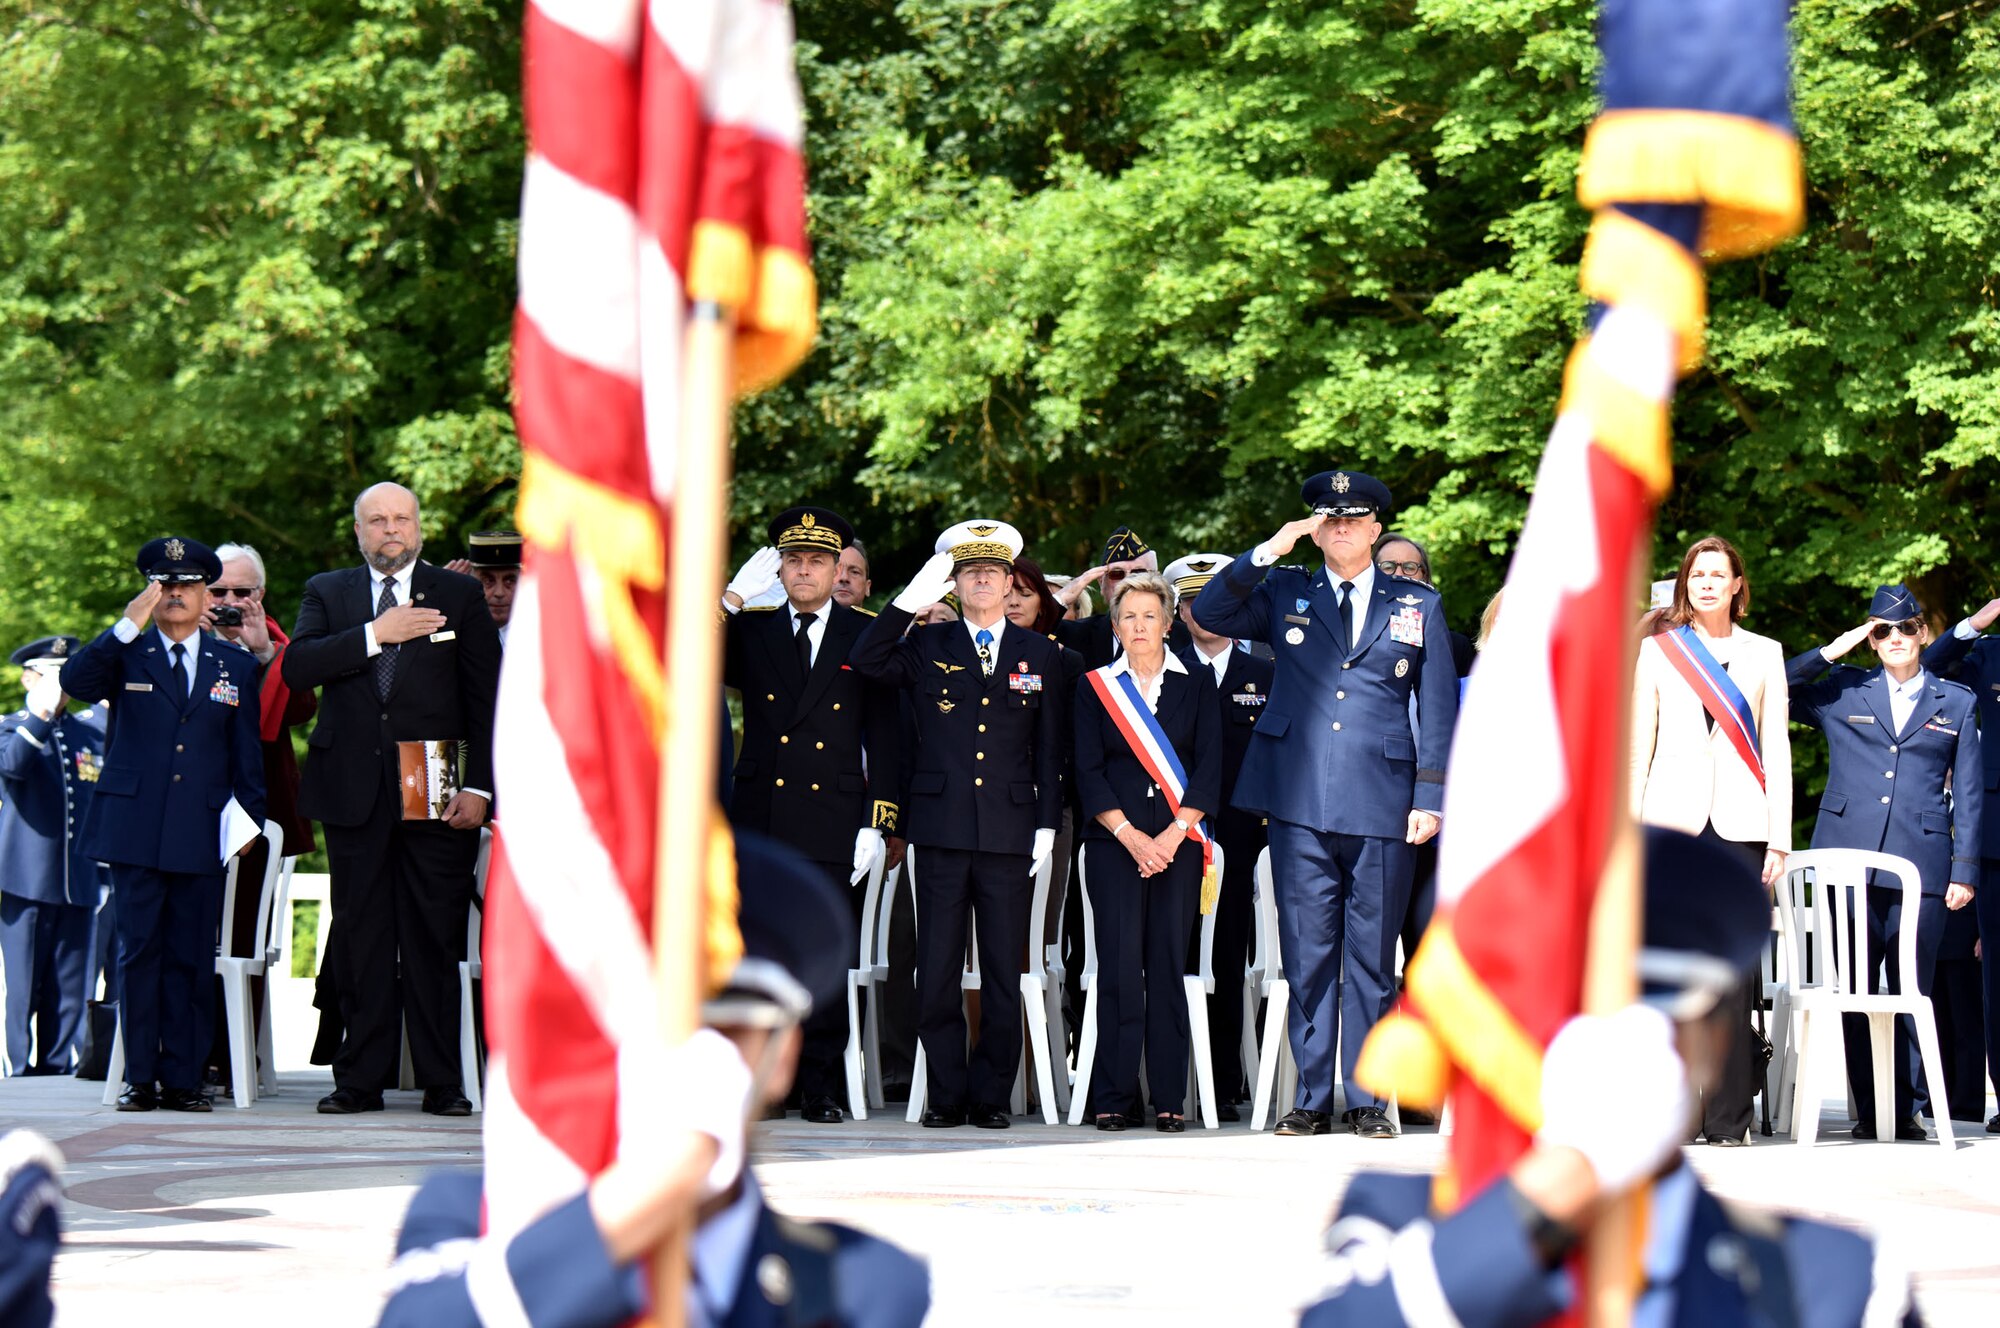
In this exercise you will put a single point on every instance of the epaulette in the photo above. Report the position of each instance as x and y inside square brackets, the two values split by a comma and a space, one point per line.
[870, 613]
[758, 608]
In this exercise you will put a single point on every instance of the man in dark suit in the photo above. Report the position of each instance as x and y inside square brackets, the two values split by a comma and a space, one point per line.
[402, 652]
[1967, 655]
[182, 785]
[1896, 739]
[984, 798]
[1243, 686]
[1334, 764]
[1124, 554]
[818, 769]
[50, 756]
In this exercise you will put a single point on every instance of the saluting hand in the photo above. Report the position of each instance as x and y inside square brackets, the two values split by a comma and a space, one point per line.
[140, 610]
[406, 622]
[1847, 641]
[1073, 590]
[1288, 534]
[1984, 618]
[463, 566]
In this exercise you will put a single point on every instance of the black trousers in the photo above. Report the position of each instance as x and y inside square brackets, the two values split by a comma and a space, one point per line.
[1242, 839]
[167, 928]
[402, 891]
[996, 889]
[1884, 919]
[1142, 925]
[821, 1071]
[1726, 1107]
[45, 953]
[1957, 1001]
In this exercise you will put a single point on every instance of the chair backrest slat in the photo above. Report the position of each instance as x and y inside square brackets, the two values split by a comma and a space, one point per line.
[1825, 894]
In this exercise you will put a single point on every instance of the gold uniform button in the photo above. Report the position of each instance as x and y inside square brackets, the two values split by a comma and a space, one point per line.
[770, 696]
[836, 705]
[781, 783]
[979, 756]
[815, 788]
[1347, 666]
[784, 738]
[986, 700]
[819, 747]
[179, 748]
[977, 783]
[982, 728]
[177, 779]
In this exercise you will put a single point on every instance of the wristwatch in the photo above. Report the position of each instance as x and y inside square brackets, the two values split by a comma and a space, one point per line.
[1184, 825]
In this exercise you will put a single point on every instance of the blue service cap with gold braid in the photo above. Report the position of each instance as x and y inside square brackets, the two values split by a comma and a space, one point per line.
[1894, 604]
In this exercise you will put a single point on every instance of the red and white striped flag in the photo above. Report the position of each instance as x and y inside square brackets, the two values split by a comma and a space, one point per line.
[664, 169]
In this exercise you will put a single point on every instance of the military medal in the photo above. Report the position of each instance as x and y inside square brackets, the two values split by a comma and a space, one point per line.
[1295, 637]
[1402, 668]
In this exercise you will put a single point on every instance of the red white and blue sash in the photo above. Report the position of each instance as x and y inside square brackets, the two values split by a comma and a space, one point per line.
[1719, 694]
[1141, 730]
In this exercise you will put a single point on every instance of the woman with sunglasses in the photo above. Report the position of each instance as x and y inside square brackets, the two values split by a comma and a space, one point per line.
[1711, 757]
[1896, 738]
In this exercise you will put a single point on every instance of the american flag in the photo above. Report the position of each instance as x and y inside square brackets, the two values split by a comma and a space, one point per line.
[664, 170]
[1693, 156]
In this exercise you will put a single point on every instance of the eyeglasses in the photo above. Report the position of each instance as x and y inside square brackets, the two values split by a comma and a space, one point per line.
[241, 592]
[1908, 627]
[1390, 567]
[1117, 573]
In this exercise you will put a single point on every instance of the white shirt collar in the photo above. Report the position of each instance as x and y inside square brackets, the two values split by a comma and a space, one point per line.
[401, 578]
[1364, 585]
[820, 615]
[1123, 664]
[167, 643]
[722, 1248]
[1910, 688]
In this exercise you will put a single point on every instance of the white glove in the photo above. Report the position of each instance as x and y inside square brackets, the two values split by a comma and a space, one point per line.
[701, 1086]
[928, 586]
[868, 850]
[1614, 1089]
[1045, 843]
[756, 576]
[42, 697]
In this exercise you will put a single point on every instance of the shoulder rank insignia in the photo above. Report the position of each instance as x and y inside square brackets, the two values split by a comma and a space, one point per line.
[949, 668]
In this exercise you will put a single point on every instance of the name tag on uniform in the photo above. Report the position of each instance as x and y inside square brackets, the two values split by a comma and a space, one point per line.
[444, 636]
[1293, 617]
[224, 692]
[138, 687]
[1024, 682]
[1406, 627]
[1861, 719]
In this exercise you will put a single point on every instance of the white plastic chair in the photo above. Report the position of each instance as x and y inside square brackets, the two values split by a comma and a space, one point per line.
[1275, 1072]
[471, 1069]
[245, 1043]
[861, 977]
[878, 981]
[1834, 923]
[1198, 986]
[1037, 997]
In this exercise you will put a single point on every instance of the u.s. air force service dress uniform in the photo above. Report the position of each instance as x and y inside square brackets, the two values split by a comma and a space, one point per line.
[984, 783]
[48, 887]
[182, 743]
[1886, 792]
[1334, 766]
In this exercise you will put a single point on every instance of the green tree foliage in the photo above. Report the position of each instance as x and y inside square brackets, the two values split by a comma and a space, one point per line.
[1083, 262]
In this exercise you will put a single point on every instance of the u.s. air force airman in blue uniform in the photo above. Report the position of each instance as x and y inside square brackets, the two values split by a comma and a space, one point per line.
[1332, 762]
[182, 743]
[1967, 655]
[577, 1265]
[1896, 736]
[50, 754]
[1618, 1098]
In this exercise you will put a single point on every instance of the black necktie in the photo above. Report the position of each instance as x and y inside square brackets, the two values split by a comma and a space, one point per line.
[385, 658]
[179, 652]
[803, 640]
[1346, 616]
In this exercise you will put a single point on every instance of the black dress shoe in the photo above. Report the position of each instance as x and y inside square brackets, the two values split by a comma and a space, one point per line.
[1418, 1116]
[1912, 1131]
[1228, 1112]
[944, 1118]
[1301, 1121]
[1170, 1125]
[138, 1097]
[1727, 1141]
[1370, 1123]
[822, 1111]
[446, 1102]
[1111, 1122]
[349, 1102]
[1993, 1126]
[184, 1099]
[988, 1117]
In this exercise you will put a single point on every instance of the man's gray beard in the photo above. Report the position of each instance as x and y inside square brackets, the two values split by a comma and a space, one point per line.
[389, 566]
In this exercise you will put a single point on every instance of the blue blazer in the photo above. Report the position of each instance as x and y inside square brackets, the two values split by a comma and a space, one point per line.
[1886, 790]
[1108, 775]
[1333, 749]
[795, 1272]
[1976, 664]
[48, 772]
[172, 760]
[1489, 1274]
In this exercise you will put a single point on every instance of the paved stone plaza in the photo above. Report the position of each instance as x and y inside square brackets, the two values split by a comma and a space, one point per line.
[282, 1216]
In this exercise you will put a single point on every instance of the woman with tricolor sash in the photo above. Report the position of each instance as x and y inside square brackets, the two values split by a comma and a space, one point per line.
[1711, 757]
[1148, 771]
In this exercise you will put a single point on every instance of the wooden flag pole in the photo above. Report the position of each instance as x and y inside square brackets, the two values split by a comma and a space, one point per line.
[698, 540]
[1610, 983]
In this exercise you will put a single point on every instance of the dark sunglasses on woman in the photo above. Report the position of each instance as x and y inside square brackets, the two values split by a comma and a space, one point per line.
[1908, 627]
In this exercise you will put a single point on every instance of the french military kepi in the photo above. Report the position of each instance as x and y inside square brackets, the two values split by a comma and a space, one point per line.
[173, 558]
[1346, 493]
[493, 550]
[815, 528]
[980, 541]
[1893, 604]
[47, 650]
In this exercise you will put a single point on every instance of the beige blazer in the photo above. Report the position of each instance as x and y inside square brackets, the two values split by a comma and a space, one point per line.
[1685, 775]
